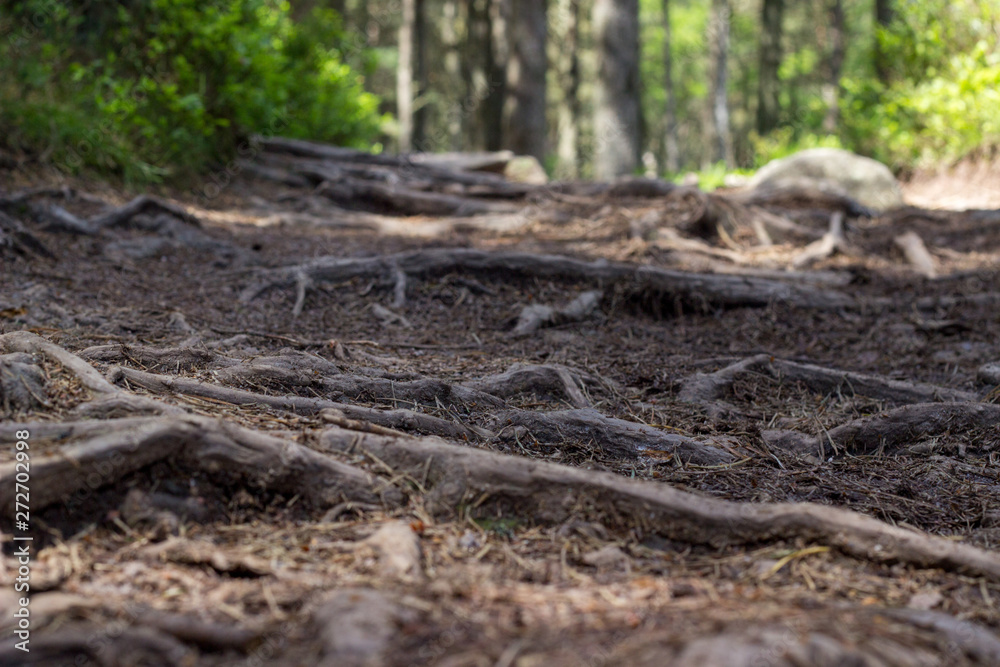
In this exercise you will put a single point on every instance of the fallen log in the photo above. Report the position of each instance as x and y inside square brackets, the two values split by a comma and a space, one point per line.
[724, 291]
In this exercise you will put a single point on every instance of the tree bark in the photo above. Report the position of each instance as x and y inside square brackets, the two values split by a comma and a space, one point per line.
[484, 70]
[568, 34]
[419, 136]
[453, 116]
[768, 106]
[524, 110]
[718, 30]
[617, 123]
[498, 53]
[404, 76]
[671, 149]
[831, 89]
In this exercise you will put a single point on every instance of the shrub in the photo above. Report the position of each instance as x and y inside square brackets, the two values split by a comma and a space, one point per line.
[154, 88]
[942, 101]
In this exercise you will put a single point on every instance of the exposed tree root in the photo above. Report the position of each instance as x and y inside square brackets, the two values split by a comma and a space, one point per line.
[15, 238]
[833, 241]
[298, 369]
[385, 167]
[805, 195]
[537, 316]
[531, 378]
[889, 431]
[456, 477]
[437, 227]
[206, 444]
[110, 399]
[22, 383]
[406, 390]
[916, 253]
[358, 625]
[707, 389]
[974, 640]
[142, 204]
[191, 630]
[897, 637]
[23, 341]
[717, 290]
[152, 358]
[406, 201]
[55, 218]
[614, 436]
[396, 419]
[132, 646]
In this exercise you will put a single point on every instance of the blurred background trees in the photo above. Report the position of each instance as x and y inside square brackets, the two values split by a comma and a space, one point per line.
[592, 88]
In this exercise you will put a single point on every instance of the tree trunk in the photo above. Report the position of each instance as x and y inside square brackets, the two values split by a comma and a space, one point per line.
[567, 32]
[470, 15]
[768, 106]
[404, 76]
[453, 117]
[617, 124]
[524, 111]
[484, 68]
[363, 18]
[671, 149]
[497, 53]
[884, 14]
[719, 48]
[831, 89]
[419, 137]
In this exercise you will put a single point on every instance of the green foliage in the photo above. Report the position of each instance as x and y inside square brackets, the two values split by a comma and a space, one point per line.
[714, 177]
[942, 101]
[783, 142]
[940, 104]
[149, 89]
[689, 22]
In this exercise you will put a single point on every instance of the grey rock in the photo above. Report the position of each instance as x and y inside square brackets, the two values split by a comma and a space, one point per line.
[989, 373]
[835, 171]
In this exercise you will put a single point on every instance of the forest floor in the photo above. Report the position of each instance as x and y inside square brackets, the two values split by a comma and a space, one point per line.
[290, 425]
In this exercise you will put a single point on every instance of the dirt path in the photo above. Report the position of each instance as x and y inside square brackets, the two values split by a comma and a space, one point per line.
[565, 425]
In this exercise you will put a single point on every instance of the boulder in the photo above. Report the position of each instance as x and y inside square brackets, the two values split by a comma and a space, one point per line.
[836, 171]
[525, 169]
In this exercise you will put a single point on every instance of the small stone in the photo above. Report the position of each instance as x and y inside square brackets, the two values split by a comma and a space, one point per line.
[925, 600]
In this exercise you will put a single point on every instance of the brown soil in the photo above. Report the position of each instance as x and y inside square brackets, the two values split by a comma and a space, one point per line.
[970, 184]
[500, 583]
